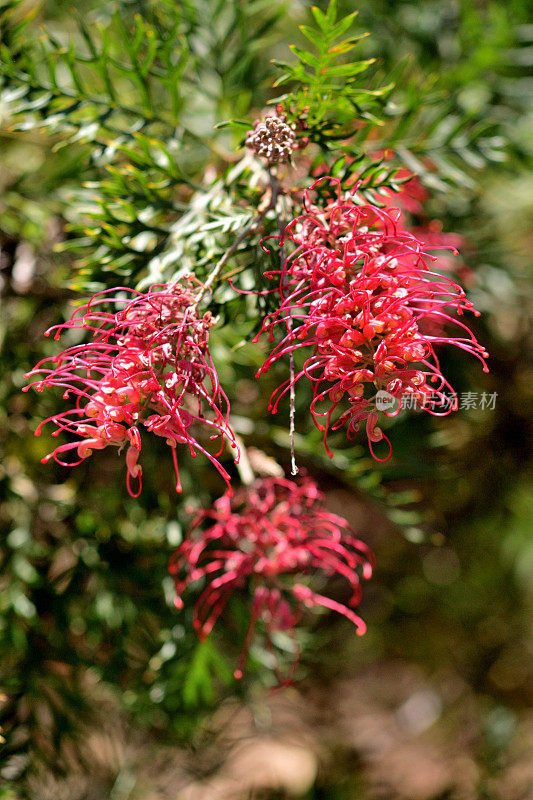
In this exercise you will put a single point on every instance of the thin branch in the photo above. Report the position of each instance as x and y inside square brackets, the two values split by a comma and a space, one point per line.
[292, 390]
[250, 228]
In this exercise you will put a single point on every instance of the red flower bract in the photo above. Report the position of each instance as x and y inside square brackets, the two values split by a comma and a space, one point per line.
[359, 291]
[147, 366]
[266, 539]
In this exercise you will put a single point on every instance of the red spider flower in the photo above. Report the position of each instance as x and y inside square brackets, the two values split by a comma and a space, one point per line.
[266, 539]
[359, 292]
[147, 366]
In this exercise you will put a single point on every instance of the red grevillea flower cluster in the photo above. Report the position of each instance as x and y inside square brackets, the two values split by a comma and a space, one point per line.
[266, 539]
[359, 291]
[148, 367]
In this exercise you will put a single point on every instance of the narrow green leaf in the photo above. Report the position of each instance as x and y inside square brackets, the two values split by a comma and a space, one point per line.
[139, 33]
[321, 20]
[307, 58]
[151, 53]
[349, 70]
[314, 36]
[347, 45]
[332, 11]
[344, 24]
[233, 123]
[198, 685]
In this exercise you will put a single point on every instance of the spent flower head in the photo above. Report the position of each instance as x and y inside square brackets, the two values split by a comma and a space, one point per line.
[273, 138]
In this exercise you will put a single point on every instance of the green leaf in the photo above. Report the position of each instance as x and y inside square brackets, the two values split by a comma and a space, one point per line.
[321, 20]
[314, 36]
[324, 88]
[349, 70]
[206, 664]
[307, 58]
[347, 45]
[332, 11]
[345, 24]
[242, 123]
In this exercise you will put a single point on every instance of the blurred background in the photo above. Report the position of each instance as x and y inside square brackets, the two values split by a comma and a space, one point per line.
[105, 693]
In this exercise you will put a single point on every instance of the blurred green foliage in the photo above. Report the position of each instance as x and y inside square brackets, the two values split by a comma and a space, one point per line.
[110, 165]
